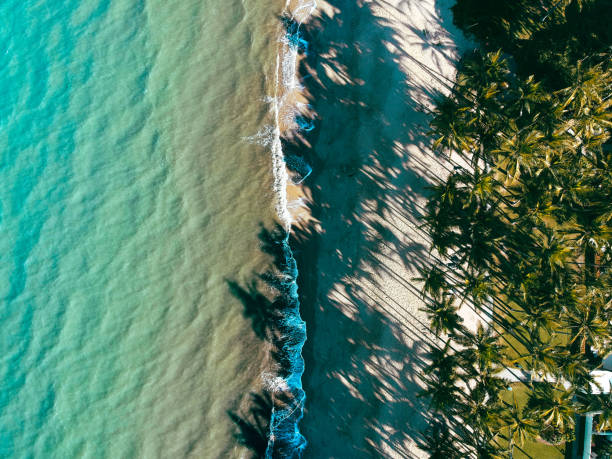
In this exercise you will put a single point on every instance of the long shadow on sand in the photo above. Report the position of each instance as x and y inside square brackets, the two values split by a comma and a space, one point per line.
[371, 166]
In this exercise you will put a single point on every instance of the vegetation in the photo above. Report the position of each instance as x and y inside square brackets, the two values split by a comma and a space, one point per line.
[524, 227]
[546, 37]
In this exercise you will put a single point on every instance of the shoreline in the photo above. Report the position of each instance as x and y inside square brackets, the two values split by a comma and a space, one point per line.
[287, 330]
[357, 245]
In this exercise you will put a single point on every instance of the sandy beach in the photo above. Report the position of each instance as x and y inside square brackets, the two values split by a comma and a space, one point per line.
[370, 76]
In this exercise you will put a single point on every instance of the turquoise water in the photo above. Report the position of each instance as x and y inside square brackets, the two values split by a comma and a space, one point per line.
[127, 199]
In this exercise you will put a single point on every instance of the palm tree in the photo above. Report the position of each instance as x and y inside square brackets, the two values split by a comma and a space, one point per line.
[554, 252]
[478, 416]
[466, 121]
[518, 426]
[446, 194]
[481, 351]
[443, 316]
[529, 229]
[586, 322]
[482, 186]
[535, 316]
[586, 103]
[483, 70]
[541, 357]
[481, 84]
[518, 151]
[478, 244]
[530, 206]
[552, 406]
[434, 282]
[479, 287]
[602, 405]
[586, 232]
[442, 208]
[480, 410]
[529, 97]
[448, 126]
[575, 369]
[489, 387]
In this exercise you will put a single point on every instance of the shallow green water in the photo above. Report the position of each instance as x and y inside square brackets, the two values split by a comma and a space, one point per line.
[127, 198]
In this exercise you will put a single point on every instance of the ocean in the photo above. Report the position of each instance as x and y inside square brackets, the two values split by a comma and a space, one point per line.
[132, 190]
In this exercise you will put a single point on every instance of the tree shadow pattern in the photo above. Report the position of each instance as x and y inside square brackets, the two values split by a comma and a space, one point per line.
[365, 349]
[253, 427]
[269, 301]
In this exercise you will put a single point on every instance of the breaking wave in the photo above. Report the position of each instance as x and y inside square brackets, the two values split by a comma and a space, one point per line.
[285, 439]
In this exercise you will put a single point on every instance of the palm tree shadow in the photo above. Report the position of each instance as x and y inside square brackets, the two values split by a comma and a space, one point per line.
[365, 350]
[253, 427]
[257, 307]
[371, 165]
[266, 299]
[262, 297]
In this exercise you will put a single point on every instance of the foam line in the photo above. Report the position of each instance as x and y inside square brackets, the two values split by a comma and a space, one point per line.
[285, 439]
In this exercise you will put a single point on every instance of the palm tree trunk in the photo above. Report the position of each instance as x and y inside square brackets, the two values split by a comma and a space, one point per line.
[589, 265]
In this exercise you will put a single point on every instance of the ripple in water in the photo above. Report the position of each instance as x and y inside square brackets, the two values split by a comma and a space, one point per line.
[128, 197]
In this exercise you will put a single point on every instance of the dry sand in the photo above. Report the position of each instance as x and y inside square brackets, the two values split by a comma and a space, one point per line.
[373, 69]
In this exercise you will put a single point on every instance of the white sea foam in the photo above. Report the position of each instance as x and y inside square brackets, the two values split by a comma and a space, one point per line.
[278, 163]
[284, 436]
[274, 383]
[265, 136]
